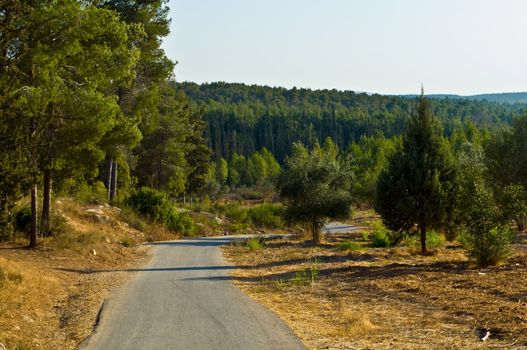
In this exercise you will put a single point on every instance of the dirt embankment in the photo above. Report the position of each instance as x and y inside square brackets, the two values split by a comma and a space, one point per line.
[50, 296]
[386, 298]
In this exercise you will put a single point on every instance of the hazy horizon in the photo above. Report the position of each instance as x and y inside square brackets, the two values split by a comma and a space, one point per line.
[464, 47]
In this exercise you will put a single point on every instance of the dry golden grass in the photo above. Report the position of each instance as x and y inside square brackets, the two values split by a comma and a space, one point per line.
[49, 298]
[386, 298]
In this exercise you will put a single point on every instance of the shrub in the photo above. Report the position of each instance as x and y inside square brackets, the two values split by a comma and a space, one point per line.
[433, 240]
[255, 243]
[180, 222]
[85, 193]
[348, 245]
[23, 219]
[155, 206]
[151, 203]
[487, 247]
[380, 237]
[267, 215]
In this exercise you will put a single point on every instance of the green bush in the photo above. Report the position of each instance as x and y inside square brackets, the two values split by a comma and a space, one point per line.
[255, 243]
[433, 240]
[85, 193]
[488, 247]
[267, 215]
[180, 222]
[151, 203]
[348, 245]
[155, 206]
[380, 237]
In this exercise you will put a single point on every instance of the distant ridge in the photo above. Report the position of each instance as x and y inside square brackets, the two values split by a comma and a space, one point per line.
[505, 97]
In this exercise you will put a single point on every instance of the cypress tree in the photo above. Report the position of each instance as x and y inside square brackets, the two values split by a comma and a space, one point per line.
[417, 187]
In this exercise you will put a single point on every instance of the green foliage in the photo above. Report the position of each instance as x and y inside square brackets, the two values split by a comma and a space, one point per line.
[255, 243]
[506, 165]
[222, 171]
[244, 118]
[180, 222]
[267, 215]
[419, 184]
[348, 245]
[486, 233]
[368, 158]
[23, 219]
[83, 192]
[315, 186]
[156, 207]
[308, 276]
[489, 246]
[259, 168]
[434, 240]
[380, 237]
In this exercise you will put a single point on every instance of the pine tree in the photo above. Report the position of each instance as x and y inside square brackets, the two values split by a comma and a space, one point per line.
[418, 185]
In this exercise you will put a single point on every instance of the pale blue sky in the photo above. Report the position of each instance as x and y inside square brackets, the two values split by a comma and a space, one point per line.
[383, 46]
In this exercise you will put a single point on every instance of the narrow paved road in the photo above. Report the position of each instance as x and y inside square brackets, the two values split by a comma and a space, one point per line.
[185, 299]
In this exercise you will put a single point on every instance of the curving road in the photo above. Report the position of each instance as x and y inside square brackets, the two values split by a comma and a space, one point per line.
[184, 299]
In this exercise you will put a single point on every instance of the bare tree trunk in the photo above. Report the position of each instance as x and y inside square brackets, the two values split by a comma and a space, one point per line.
[34, 217]
[113, 187]
[109, 179]
[316, 232]
[46, 204]
[520, 221]
[423, 238]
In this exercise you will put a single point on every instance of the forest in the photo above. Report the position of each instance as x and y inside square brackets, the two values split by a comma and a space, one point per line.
[102, 150]
[88, 100]
[243, 119]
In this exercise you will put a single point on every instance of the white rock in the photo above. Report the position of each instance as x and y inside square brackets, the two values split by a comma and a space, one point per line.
[93, 252]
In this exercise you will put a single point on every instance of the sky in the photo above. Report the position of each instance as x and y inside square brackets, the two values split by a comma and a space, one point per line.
[379, 46]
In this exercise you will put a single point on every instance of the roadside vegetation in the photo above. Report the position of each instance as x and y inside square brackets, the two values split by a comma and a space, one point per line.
[98, 158]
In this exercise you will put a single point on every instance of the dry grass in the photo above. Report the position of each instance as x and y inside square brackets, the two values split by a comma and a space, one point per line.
[387, 298]
[48, 297]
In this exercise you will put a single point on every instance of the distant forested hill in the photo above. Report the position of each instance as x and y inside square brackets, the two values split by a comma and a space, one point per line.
[242, 119]
[506, 97]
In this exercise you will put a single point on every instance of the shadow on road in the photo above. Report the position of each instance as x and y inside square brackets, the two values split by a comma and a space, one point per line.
[196, 242]
[152, 269]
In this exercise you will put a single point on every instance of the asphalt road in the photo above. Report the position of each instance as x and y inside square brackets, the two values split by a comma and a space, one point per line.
[185, 299]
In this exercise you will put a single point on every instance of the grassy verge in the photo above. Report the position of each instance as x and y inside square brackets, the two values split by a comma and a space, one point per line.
[50, 296]
[346, 294]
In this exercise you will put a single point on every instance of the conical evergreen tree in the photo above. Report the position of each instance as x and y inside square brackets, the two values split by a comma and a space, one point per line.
[417, 187]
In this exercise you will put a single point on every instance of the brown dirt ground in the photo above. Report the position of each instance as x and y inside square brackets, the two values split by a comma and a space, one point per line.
[378, 298]
[47, 300]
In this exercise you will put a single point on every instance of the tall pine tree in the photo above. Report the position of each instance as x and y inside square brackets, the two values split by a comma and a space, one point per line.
[418, 185]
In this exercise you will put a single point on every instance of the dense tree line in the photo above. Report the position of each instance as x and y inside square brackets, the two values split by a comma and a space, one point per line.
[86, 96]
[243, 119]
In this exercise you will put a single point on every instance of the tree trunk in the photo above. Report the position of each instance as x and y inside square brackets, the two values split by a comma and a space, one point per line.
[316, 232]
[520, 221]
[109, 179]
[34, 218]
[46, 204]
[113, 187]
[423, 238]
